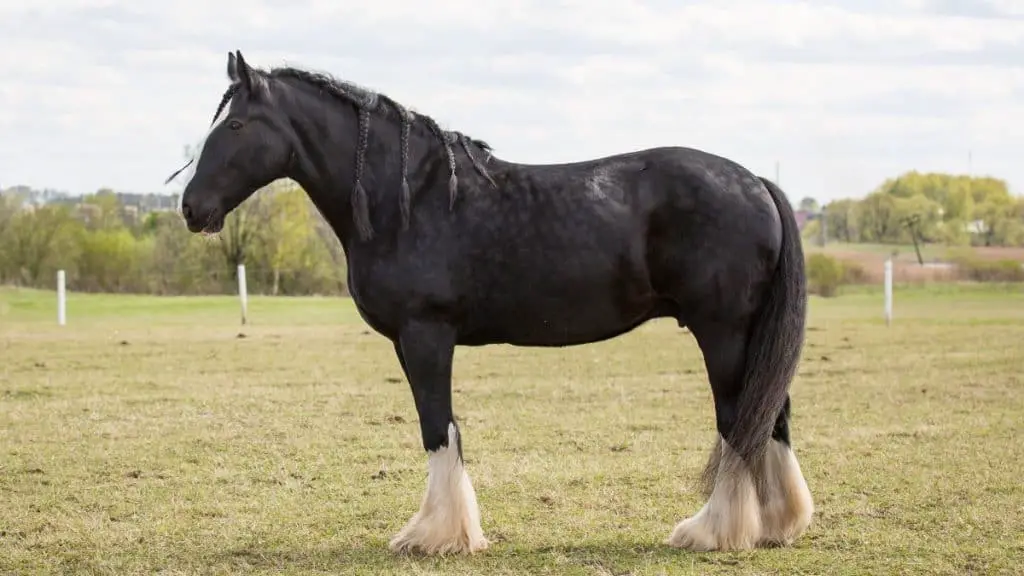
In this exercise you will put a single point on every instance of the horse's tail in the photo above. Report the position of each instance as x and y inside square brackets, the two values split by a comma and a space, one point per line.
[775, 342]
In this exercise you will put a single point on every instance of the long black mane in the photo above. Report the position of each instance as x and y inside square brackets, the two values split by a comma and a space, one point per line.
[368, 103]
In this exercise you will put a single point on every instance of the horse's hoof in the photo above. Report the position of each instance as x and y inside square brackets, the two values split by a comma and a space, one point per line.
[411, 543]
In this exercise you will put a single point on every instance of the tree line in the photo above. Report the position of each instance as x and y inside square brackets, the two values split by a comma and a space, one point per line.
[110, 242]
[104, 245]
[953, 210]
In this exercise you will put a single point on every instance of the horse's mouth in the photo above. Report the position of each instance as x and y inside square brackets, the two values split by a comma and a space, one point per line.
[214, 226]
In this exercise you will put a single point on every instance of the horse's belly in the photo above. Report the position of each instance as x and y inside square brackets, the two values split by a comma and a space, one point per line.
[532, 327]
[537, 310]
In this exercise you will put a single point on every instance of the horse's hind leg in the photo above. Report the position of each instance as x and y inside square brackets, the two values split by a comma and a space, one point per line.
[786, 504]
[764, 502]
[448, 520]
[731, 517]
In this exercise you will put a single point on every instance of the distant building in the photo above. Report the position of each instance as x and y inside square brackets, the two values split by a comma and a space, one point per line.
[134, 204]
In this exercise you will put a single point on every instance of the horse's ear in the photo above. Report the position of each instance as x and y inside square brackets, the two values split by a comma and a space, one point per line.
[244, 75]
[232, 68]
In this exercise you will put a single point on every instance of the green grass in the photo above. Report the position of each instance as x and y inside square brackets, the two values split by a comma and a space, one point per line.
[147, 436]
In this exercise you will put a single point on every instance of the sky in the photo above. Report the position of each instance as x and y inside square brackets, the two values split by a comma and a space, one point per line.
[839, 94]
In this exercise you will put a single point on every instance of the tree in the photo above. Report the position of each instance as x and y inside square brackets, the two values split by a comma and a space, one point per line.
[111, 260]
[288, 229]
[809, 204]
[281, 237]
[927, 214]
[879, 221]
[102, 211]
[959, 203]
[843, 220]
[40, 241]
[9, 206]
[948, 208]
[998, 224]
[181, 262]
[241, 229]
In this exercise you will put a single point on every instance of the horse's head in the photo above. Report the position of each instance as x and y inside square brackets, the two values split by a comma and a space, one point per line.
[248, 147]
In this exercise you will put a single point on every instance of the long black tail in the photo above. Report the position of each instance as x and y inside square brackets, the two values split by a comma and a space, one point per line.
[775, 342]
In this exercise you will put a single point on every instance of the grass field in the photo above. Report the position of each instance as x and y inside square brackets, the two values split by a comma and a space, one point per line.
[156, 435]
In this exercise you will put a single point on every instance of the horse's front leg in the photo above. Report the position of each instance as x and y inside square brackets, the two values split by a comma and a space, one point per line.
[448, 520]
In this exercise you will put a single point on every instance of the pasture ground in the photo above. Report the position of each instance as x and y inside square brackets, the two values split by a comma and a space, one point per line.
[149, 436]
[906, 269]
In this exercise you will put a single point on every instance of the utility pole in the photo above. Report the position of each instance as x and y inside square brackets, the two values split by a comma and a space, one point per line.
[970, 173]
[911, 222]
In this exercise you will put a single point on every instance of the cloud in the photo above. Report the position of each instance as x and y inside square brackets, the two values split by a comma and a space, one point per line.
[844, 93]
[1000, 9]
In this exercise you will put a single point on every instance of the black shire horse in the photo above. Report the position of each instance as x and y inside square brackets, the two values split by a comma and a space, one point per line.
[447, 245]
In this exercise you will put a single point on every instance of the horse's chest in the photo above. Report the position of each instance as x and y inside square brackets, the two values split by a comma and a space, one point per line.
[388, 292]
[373, 304]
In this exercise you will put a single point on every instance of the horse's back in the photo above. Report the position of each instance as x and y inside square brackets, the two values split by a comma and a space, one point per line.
[662, 182]
[692, 227]
[696, 200]
[591, 249]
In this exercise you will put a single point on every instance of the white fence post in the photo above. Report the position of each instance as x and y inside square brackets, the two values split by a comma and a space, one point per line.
[243, 294]
[61, 299]
[888, 291]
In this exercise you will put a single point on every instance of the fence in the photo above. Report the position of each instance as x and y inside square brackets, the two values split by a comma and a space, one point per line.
[243, 294]
[62, 300]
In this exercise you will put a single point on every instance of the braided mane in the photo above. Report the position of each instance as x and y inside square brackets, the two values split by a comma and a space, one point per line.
[367, 102]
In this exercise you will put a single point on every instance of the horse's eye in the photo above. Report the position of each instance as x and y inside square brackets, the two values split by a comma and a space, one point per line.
[235, 124]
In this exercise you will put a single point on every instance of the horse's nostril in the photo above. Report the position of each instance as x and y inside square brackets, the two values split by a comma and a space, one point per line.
[186, 211]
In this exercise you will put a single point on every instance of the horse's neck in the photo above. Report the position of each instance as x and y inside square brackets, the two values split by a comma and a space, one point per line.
[328, 188]
[327, 170]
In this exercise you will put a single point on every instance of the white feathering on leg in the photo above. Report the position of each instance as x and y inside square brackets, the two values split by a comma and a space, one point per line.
[731, 518]
[448, 520]
[788, 508]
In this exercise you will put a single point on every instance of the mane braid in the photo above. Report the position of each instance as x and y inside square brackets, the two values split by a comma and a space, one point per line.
[228, 95]
[366, 101]
[360, 206]
[405, 194]
[453, 182]
[466, 141]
